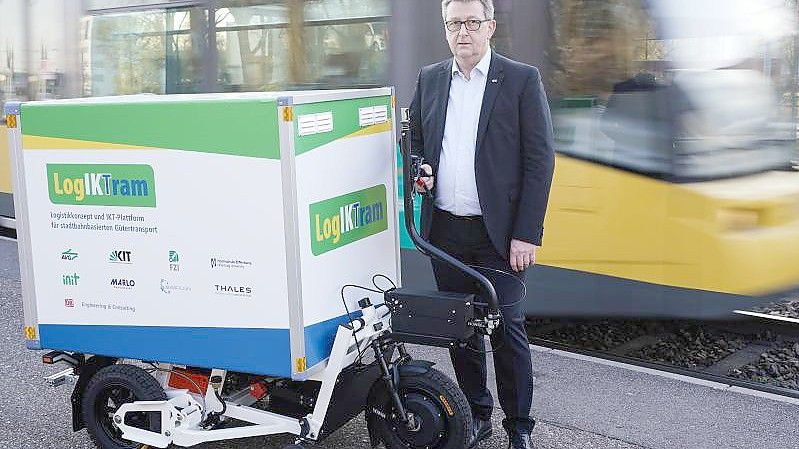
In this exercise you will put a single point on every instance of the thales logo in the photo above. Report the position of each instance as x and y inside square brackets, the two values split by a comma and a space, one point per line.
[233, 290]
[123, 283]
[345, 219]
[101, 184]
[120, 257]
[69, 255]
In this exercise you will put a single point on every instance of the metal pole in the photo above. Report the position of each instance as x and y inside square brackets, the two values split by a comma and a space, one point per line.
[297, 41]
[795, 84]
[210, 81]
[27, 34]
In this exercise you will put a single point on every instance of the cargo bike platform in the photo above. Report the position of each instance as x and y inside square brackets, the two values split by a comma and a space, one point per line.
[190, 255]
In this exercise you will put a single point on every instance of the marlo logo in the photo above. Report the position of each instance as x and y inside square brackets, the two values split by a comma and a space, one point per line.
[123, 283]
[345, 219]
[101, 184]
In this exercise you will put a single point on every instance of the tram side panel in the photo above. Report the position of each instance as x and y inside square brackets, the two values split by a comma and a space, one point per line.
[6, 199]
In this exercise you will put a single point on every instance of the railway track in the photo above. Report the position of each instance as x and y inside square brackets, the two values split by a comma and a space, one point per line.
[753, 352]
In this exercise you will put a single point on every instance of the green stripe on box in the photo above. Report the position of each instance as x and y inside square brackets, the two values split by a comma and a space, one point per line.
[345, 120]
[233, 127]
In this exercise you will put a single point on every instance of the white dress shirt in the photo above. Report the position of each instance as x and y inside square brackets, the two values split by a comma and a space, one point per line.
[456, 186]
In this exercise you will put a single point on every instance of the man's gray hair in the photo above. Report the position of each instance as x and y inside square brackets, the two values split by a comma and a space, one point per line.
[488, 7]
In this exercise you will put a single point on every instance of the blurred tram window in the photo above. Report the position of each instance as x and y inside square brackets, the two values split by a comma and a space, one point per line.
[252, 42]
[609, 103]
[160, 51]
[346, 43]
[675, 94]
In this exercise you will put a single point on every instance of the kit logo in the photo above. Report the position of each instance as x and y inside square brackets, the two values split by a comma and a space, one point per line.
[69, 302]
[130, 185]
[218, 262]
[339, 221]
[233, 290]
[69, 255]
[174, 261]
[122, 283]
[70, 279]
[167, 287]
[120, 257]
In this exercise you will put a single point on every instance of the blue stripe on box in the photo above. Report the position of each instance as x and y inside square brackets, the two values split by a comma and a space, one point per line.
[319, 338]
[256, 351]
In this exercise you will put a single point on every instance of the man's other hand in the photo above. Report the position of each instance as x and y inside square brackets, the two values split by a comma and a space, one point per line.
[427, 180]
[522, 255]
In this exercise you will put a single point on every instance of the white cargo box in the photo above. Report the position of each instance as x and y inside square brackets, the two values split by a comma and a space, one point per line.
[204, 230]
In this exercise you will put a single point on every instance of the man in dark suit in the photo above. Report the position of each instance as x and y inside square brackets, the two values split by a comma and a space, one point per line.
[482, 123]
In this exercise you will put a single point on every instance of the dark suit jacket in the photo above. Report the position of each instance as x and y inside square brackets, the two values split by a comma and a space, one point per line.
[514, 157]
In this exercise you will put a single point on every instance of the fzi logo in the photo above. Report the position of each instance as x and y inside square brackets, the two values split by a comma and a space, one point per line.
[339, 221]
[131, 185]
[123, 283]
[69, 255]
[174, 261]
[120, 257]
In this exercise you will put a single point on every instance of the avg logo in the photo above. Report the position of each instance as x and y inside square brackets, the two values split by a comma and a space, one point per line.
[101, 184]
[69, 255]
[339, 221]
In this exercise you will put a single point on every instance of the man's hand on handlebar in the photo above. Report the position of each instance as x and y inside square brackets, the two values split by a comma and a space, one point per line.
[425, 183]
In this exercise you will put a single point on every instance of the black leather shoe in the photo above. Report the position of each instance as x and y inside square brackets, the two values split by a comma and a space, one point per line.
[481, 429]
[519, 440]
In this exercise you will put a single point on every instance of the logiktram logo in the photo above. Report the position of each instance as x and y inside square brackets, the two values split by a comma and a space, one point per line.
[339, 221]
[69, 255]
[130, 185]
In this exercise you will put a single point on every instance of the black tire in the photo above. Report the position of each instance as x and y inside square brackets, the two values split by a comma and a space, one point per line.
[106, 391]
[445, 417]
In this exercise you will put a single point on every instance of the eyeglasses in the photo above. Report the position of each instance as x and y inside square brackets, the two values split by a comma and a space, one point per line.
[471, 24]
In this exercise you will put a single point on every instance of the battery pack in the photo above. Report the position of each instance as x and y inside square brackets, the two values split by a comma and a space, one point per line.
[430, 317]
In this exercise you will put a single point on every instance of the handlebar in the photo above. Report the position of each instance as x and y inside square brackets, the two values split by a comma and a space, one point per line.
[423, 245]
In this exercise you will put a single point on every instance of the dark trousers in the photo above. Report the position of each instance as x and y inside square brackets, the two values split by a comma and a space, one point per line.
[467, 240]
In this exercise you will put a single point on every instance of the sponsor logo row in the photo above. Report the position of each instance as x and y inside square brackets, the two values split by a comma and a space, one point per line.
[166, 286]
[126, 257]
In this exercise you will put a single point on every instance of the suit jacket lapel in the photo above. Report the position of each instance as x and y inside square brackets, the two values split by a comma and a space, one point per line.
[493, 83]
[443, 83]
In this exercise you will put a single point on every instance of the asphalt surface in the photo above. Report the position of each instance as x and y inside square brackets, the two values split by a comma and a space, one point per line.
[578, 404]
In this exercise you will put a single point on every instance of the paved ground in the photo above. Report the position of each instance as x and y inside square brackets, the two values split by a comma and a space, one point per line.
[578, 403]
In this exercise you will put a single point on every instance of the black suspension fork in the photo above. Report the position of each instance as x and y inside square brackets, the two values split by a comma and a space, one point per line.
[391, 379]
